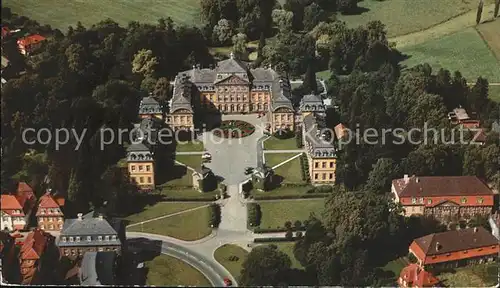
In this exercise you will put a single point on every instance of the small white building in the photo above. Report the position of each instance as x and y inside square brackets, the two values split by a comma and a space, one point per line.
[12, 216]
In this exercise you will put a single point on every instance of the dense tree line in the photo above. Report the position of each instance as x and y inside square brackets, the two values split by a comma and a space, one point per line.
[87, 80]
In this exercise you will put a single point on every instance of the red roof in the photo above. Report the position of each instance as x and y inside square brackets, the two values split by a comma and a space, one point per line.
[440, 186]
[340, 130]
[47, 201]
[5, 31]
[10, 204]
[414, 275]
[24, 189]
[30, 40]
[34, 245]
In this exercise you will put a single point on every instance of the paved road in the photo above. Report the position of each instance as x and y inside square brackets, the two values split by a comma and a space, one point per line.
[213, 272]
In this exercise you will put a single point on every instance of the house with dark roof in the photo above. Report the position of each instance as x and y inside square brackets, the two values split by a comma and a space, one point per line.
[204, 179]
[98, 269]
[31, 256]
[90, 233]
[455, 248]
[49, 214]
[415, 276]
[149, 107]
[444, 197]
[141, 166]
[12, 216]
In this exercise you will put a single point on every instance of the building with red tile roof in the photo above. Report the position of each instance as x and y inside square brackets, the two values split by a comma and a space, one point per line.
[5, 31]
[30, 256]
[25, 196]
[340, 131]
[414, 276]
[12, 216]
[49, 214]
[455, 248]
[29, 43]
[445, 198]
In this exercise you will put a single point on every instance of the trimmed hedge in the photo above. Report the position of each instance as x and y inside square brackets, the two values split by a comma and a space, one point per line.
[254, 214]
[273, 239]
[214, 215]
[321, 189]
[259, 230]
[298, 138]
[305, 168]
[301, 196]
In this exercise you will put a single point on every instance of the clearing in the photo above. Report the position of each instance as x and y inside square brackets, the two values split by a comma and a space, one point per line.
[464, 51]
[189, 226]
[165, 270]
[63, 14]
[490, 31]
[223, 254]
[287, 248]
[276, 213]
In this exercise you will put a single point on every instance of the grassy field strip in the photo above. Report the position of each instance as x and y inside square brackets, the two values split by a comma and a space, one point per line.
[286, 161]
[452, 25]
[490, 32]
[168, 215]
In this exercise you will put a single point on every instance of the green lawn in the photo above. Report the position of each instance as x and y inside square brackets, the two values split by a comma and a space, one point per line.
[287, 248]
[165, 270]
[185, 181]
[161, 209]
[394, 268]
[274, 143]
[283, 191]
[189, 226]
[172, 193]
[189, 146]
[464, 51]
[291, 172]
[276, 213]
[406, 16]
[193, 161]
[494, 93]
[273, 159]
[483, 275]
[61, 14]
[223, 253]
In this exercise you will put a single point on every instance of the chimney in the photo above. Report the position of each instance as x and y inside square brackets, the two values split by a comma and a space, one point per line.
[417, 180]
[79, 215]
[406, 178]
[438, 246]
[475, 229]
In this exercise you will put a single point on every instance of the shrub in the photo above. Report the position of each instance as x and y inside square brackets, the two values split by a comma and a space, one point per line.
[288, 224]
[297, 225]
[254, 214]
[289, 235]
[298, 234]
[233, 258]
[214, 215]
[298, 138]
[271, 239]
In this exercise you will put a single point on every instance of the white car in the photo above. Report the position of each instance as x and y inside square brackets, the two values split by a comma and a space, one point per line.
[206, 155]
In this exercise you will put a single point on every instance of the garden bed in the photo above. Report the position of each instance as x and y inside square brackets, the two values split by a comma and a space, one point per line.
[234, 129]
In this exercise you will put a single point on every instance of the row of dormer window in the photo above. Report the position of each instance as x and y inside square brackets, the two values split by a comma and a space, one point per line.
[420, 200]
[49, 211]
[88, 238]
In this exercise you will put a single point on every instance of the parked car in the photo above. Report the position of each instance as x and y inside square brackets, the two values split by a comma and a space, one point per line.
[228, 282]
[206, 155]
[248, 170]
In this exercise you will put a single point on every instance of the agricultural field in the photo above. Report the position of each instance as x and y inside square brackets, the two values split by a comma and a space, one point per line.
[61, 14]
[464, 51]
[407, 16]
[490, 32]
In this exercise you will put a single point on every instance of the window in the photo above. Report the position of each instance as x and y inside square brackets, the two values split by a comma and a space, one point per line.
[106, 238]
[429, 201]
[421, 200]
[323, 176]
[141, 167]
[149, 179]
[316, 165]
[141, 179]
[413, 200]
[148, 168]
[89, 238]
[100, 249]
[323, 165]
[51, 227]
[331, 164]
[77, 239]
[113, 237]
[464, 200]
[99, 238]
[71, 239]
[316, 176]
[63, 239]
[42, 212]
[40, 220]
[331, 175]
[480, 200]
[132, 168]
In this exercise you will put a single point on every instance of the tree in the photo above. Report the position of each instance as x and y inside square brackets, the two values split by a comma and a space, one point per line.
[380, 178]
[223, 32]
[479, 11]
[240, 46]
[283, 19]
[497, 7]
[313, 14]
[347, 6]
[310, 84]
[162, 92]
[264, 266]
[144, 63]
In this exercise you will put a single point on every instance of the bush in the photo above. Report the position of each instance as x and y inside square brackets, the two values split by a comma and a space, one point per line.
[259, 230]
[298, 138]
[254, 214]
[233, 258]
[297, 225]
[197, 199]
[288, 225]
[271, 239]
[214, 215]
[289, 235]
[321, 189]
[298, 234]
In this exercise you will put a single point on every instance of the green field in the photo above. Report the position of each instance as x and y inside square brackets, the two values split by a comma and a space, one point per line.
[193, 161]
[283, 191]
[464, 51]
[223, 253]
[274, 143]
[189, 226]
[273, 159]
[188, 146]
[287, 248]
[161, 209]
[406, 16]
[275, 213]
[61, 14]
[291, 172]
[165, 270]
[494, 93]
[173, 193]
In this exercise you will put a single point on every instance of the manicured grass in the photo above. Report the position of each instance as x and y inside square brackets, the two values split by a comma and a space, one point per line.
[464, 51]
[483, 275]
[165, 270]
[283, 191]
[275, 214]
[172, 193]
[290, 171]
[223, 253]
[287, 248]
[63, 14]
[273, 159]
[189, 146]
[161, 209]
[274, 143]
[494, 93]
[189, 226]
[490, 31]
[406, 16]
[193, 161]
[185, 180]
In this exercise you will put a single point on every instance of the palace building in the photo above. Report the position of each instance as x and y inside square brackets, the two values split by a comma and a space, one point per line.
[232, 88]
[141, 166]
